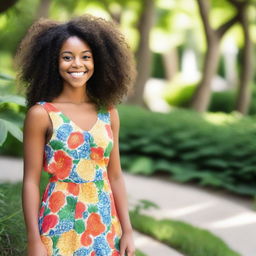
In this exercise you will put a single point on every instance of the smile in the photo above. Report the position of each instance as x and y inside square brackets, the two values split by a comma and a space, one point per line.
[77, 74]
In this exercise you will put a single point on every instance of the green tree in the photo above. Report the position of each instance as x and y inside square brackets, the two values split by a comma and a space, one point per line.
[201, 98]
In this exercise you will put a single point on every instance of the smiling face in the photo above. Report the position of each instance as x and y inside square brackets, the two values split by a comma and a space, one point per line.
[76, 64]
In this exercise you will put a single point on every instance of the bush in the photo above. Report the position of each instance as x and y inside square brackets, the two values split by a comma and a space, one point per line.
[189, 147]
[180, 95]
[185, 238]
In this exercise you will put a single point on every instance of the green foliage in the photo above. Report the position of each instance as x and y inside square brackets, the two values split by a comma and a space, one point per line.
[12, 229]
[180, 95]
[212, 149]
[187, 239]
[12, 112]
[144, 204]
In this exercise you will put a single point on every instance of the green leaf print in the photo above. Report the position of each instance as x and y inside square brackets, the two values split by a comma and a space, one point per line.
[64, 118]
[92, 208]
[56, 144]
[108, 149]
[55, 241]
[71, 202]
[99, 184]
[68, 211]
[76, 161]
[79, 226]
[117, 243]
[46, 211]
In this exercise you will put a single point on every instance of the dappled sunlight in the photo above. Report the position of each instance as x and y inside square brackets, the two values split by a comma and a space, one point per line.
[187, 209]
[222, 118]
[242, 219]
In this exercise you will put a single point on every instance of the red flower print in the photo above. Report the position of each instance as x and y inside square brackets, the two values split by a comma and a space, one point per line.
[49, 221]
[93, 254]
[97, 153]
[94, 225]
[61, 165]
[80, 208]
[41, 212]
[86, 240]
[50, 107]
[75, 139]
[115, 253]
[56, 201]
[106, 160]
[73, 188]
[110, 237]
[109, 131]
[45, 195]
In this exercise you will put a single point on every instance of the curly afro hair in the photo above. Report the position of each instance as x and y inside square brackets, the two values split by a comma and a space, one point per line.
[38, 55]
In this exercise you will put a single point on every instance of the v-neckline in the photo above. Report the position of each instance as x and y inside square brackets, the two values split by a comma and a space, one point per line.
[74, 123]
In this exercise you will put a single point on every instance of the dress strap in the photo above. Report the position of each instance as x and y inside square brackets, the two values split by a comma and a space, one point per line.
[47, 106]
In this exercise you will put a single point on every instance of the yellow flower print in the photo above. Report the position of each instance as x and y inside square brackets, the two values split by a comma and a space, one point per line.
[117, 226]
[86, 169]
[100, 135]
[88, 193]
[68, 243]
[47, 241]
[56, 119]
[61, 186]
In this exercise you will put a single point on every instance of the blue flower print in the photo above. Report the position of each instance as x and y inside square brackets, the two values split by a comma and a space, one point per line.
[84, 150]
[64, 226]
[82, 252]
[64, 131]
[101, 246]
[48, 152]
[104, 117]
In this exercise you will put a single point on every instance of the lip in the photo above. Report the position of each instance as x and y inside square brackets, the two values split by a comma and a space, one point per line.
[76, 77]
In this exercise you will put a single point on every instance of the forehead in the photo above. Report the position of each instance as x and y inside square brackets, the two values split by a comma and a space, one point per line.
[74, 43]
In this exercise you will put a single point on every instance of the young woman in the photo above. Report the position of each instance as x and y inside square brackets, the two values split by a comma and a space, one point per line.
[76, 73]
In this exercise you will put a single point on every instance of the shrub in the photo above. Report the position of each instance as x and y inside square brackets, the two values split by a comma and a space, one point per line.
[184, 237]
[213, 149]
[180, 95]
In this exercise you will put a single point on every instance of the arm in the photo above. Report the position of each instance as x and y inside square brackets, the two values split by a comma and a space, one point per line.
[118, 188]
[35, 126]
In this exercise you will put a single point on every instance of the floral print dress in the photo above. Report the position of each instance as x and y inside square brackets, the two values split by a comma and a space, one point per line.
[77, 216]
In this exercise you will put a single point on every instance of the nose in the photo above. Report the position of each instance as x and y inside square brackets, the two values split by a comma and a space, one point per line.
[77, 62]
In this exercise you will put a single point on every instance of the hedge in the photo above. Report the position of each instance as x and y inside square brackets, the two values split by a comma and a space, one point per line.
[190, 147]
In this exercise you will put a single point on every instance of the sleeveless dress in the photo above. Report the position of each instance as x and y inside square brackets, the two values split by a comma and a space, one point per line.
[77, 215]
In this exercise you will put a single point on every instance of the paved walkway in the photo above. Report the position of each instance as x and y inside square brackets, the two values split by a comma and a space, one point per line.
[11, 170]
[229, 217]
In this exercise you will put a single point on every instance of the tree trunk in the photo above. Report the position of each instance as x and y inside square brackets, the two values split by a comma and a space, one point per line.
[171, 63]
[43, 9]
[6, 4]
[243, 99]
[202, 96]
[143, 54]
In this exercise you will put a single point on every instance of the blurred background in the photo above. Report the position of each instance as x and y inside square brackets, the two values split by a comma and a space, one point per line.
[188, 132]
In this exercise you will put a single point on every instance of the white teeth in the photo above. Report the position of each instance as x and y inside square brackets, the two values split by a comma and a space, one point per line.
[77, 74]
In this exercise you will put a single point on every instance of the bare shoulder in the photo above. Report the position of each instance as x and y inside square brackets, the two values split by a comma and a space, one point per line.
[114, 117]
[37, 117]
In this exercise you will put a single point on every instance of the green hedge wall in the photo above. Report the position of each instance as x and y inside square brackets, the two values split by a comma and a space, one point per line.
[183, 143]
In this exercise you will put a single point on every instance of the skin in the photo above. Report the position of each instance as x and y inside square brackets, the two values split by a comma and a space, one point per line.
[75, 56]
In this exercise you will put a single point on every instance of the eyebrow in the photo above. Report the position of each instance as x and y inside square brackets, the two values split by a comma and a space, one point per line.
[72, 53]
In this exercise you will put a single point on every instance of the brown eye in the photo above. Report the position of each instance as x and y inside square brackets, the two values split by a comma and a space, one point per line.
[67, 58]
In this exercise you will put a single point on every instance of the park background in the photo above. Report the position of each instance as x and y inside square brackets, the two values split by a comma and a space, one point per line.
[189, 125]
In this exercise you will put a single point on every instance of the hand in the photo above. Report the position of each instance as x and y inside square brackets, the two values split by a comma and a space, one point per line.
[127, 247]
[37, 248]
